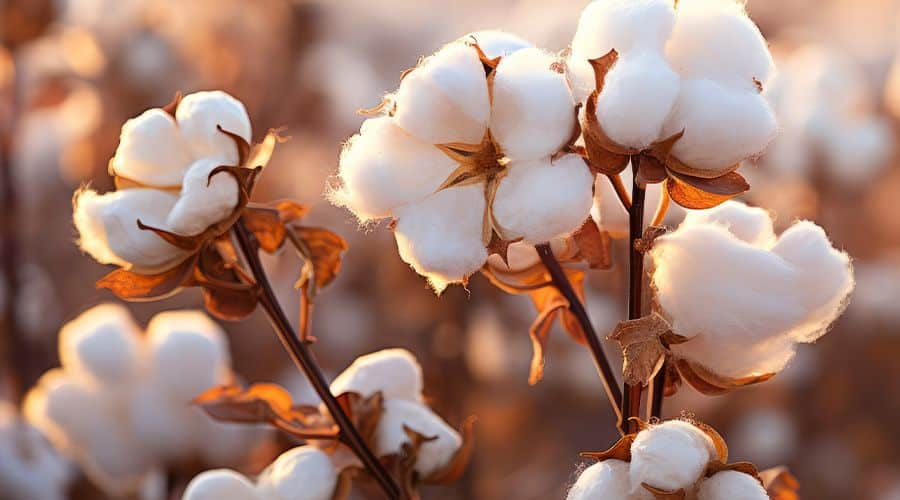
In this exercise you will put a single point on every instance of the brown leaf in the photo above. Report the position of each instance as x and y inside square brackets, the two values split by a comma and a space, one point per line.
[593, 245]
[662, 151]
[701, 193]
[659, 494]
[129, 285]
[650, 171]
[709, 383]
[673, 380]
[230, 305]
[642, 346]
[454, 469]
[267, 226]
[172, 107]
[344, 485]
[322, 249]
[780, 484]
[619, 451]
[717, 440]
[716, 466]
[260, 154]
[540, 333]
[289, 210]
[603, 154]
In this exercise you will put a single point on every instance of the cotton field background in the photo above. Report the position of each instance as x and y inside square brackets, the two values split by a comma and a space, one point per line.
[96, 391]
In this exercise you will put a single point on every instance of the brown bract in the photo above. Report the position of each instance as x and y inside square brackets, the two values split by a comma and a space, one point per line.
[780, 484]
[688, 186]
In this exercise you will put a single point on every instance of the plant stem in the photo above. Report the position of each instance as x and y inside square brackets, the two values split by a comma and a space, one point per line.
[562, 283]
[631, 394]
[303, 358]
[657, 389]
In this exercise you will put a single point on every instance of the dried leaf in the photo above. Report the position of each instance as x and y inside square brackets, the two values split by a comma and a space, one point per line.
[540, 333]
[642, 346]
[323, 250]
[709, 383]
[457, 466]
[260, 154]
[672, 382]
[603, 154]
[132, 286]
[593, 245]
[172, 107]
[662, 151]
[659, 494]
[267, 226]
[780, 484]
[650, 171]
[717, 440]
[701, 193]
[230, 305]
[619, 451]
[344, 484]
[716, 466]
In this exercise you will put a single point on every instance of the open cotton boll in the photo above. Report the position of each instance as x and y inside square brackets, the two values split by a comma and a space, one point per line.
[188, 353]
[533, 113]
[199, 116]
[735, 358]
[715, 39]
[445, 99]
[751, 224]
[204, 200]
[108, 230]
[302, 473]
[221, 484]
[638, 94]
[30, 468]
[390, 435]
[722, 126]
[440, 237]
[731, 485]
[496, 43]
[151, 150]
[394, 372]
[102, 344]
[622, 25]
[608, 479]
[669, 456]
[168, 429]
[540, 200]
[384, 167]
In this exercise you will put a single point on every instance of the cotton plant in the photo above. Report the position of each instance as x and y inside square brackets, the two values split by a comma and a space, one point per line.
[120, 404]
[384, 392]
[30, 467]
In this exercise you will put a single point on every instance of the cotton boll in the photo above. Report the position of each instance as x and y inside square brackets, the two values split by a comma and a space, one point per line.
[302, 473]
[721, 126]
[638, 94]
[189, 353]
[108, 230]
[204, 200]
[390, 435]
[715, 39]
[734, 358]
[62, 409]
[440, 237]
[151, 150]
[669, 456]
[394, 372]
[199, 116]
[533, 113]
[384, 167]
[608, 479]
[220, 484]
[732, 485]
[168, 429]
[857, 152]
[445, 99]
[622, 25]
[539, 200]
[103, 344]
[750, 224]
[496, 43]
[30, 468]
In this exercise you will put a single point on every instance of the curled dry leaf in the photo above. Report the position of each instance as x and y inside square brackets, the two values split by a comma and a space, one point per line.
[701, 193]
[551, 304]
[780, 484]
[593, 245]
[709, 383]
[619, 451]
[642, 346]
[132, 286]
[322, 250]
[716, 466]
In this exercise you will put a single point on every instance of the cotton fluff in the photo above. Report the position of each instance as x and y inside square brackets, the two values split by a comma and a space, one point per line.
[120, 404]
[394, 372]
[743, 297]
[220, 484]
[390, 435]
[393, 168]
[159, 153]
[669, 456]
[606, 479]
[732, 485]
[30, 468]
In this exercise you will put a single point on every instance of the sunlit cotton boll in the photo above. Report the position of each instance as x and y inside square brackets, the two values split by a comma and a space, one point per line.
[607, 479]
[390, 435]
[669, 456]
[302, 473]
[221, 484]
[102, 344]
[30, 468]
[731, 485]
[394, 372]
[742, 297]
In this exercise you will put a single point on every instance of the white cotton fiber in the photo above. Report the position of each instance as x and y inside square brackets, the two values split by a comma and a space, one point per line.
[496, 43]
[731, 485]
[384, 167]
[622, 25]
[858, 151]
[302, 473]
[533, 112]
[638, 94]
[200, 114]
[30, 468]
[539, 200]
[390, 436]
[440, 237]
[608, 479]
[103, 344]
[394, 372]
[445, 99]
[203, 200]
[151, 150]
[669, 456]
[753, 225]
[169, 429]
[221, 484]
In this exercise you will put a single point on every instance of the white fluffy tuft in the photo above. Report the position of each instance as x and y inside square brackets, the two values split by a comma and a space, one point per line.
[204, 200]
[199, 116]
[220, 484]
[102, 344]
[606, 479]
[669, 456]
[731, 485]
[302, 473]
[152, 150]
[394, 372]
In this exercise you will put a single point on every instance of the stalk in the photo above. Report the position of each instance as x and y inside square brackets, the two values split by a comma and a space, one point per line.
[631, 394]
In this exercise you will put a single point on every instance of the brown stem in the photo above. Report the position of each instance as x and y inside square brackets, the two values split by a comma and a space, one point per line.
[303, 358]
[657, 389]
[562, 283]
[620, 190]
[631, 394]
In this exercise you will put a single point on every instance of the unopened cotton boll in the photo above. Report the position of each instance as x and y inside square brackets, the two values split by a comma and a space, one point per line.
[103, 344]
[204, 200]
[669, 456]
[445, 99]
[638, 94]
[496, 43]
[731, 485]
[390, 435]
[533, 112]
[152, 150]
[540, 200]
[440, 237]
[608, 479]
[221, 484]
[394, 372]
[302, 473]
[201, 114]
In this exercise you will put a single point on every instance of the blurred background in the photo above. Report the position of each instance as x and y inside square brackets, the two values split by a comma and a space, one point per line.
[72, 71]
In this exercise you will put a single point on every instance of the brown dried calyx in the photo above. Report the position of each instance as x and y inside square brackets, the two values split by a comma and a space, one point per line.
[688, 186]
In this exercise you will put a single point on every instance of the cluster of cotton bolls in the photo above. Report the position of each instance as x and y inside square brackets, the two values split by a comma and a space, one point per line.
[30, 468]
[697, 67]
[120, 405]
[161, 151]
[829, 118]
[503, 130]
[670, 456]
[743, 297]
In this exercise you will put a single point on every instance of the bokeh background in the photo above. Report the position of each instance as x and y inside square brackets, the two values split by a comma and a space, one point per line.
[72, 71]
